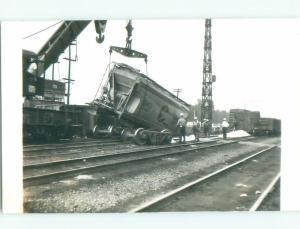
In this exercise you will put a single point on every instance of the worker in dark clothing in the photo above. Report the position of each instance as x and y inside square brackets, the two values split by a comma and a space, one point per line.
[206, 127]
[225, 126]
[181, 125]
[196, 129]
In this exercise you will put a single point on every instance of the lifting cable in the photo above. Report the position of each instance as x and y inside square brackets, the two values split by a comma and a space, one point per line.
[146, 67]
[59, 77]
[41, 30]
[107, 67]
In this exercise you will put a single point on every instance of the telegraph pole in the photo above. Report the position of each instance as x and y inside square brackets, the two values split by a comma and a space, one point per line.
[177, 90]
[208, 78]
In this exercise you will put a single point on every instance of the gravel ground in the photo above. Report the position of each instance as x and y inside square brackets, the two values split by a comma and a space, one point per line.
[272, 201]
[124, 187]
[235, 190]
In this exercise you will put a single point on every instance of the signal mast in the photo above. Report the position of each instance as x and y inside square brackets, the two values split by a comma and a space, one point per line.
[208, 78]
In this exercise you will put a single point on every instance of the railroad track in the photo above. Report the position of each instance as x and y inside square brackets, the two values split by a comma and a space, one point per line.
[49, 155]
[54, 170]
[90, 143]
[172, 197]
[40, 152]
[69, 145]
[265, 194]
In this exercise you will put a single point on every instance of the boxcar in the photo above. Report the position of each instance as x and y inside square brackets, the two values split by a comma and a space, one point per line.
[246, 120]
[268, 126]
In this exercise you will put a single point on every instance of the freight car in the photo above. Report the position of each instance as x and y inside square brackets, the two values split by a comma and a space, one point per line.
[53, 122]
[267, 126]
[133, 105]
[47, 118]
[246, 120]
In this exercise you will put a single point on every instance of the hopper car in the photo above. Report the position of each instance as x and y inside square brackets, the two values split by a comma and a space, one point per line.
[134, 106]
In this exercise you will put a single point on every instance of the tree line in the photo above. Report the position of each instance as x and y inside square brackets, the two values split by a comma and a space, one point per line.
[218, 115]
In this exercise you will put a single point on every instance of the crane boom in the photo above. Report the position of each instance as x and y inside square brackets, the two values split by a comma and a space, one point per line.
[60, 40]
[49, 53]
[57, 43]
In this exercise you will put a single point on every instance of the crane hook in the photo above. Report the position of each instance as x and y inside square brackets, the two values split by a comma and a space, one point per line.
[100, 28]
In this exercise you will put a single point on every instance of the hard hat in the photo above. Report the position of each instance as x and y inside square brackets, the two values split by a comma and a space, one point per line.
[195, 118]
[181, 114]
[224, 119]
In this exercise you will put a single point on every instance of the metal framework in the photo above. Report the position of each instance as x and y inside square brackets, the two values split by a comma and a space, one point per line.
[208, 78]
[128, 51]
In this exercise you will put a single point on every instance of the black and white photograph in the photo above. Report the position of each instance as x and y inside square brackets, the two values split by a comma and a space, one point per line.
[152, 115]
[149, 114]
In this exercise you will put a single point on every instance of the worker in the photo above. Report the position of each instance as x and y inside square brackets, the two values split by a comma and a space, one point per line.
[206, 127]
[181, 125]
[196, 129]
[225, 126]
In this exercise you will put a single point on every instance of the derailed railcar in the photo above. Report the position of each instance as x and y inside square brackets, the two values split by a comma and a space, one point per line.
[268, 126]
[133, 105]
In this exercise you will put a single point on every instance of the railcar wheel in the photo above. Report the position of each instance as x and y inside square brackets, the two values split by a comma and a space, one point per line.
[167, 138]
[126, 134]
[140, 137]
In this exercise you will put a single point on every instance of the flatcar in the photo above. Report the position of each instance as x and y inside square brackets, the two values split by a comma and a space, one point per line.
[133, 105]
[268, 126]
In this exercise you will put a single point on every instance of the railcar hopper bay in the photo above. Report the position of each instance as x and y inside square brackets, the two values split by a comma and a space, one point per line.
[123, 151]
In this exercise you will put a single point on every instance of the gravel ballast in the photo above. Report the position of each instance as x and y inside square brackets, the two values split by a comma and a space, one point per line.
[123, 188]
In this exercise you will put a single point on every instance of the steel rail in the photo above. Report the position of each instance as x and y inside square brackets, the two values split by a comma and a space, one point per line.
[71, 146]
[65, 153]
[265, 193]
[67, 142]
[51, 163]
[56, 145]
[103, 166]
[195, 182]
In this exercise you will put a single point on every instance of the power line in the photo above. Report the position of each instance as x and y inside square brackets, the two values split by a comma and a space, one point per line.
[177, 90]
[42, 30]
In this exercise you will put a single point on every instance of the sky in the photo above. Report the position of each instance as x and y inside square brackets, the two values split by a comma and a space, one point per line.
[251, 58]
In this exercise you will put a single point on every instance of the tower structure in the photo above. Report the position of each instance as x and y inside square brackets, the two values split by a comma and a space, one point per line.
[208, 78]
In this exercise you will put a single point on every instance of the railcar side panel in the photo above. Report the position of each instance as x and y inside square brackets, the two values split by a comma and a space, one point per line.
[153, 109]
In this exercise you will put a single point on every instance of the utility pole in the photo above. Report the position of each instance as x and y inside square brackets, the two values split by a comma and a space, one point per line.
[53, 71]
[208, 78]
[69, 72]
[177, 90]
